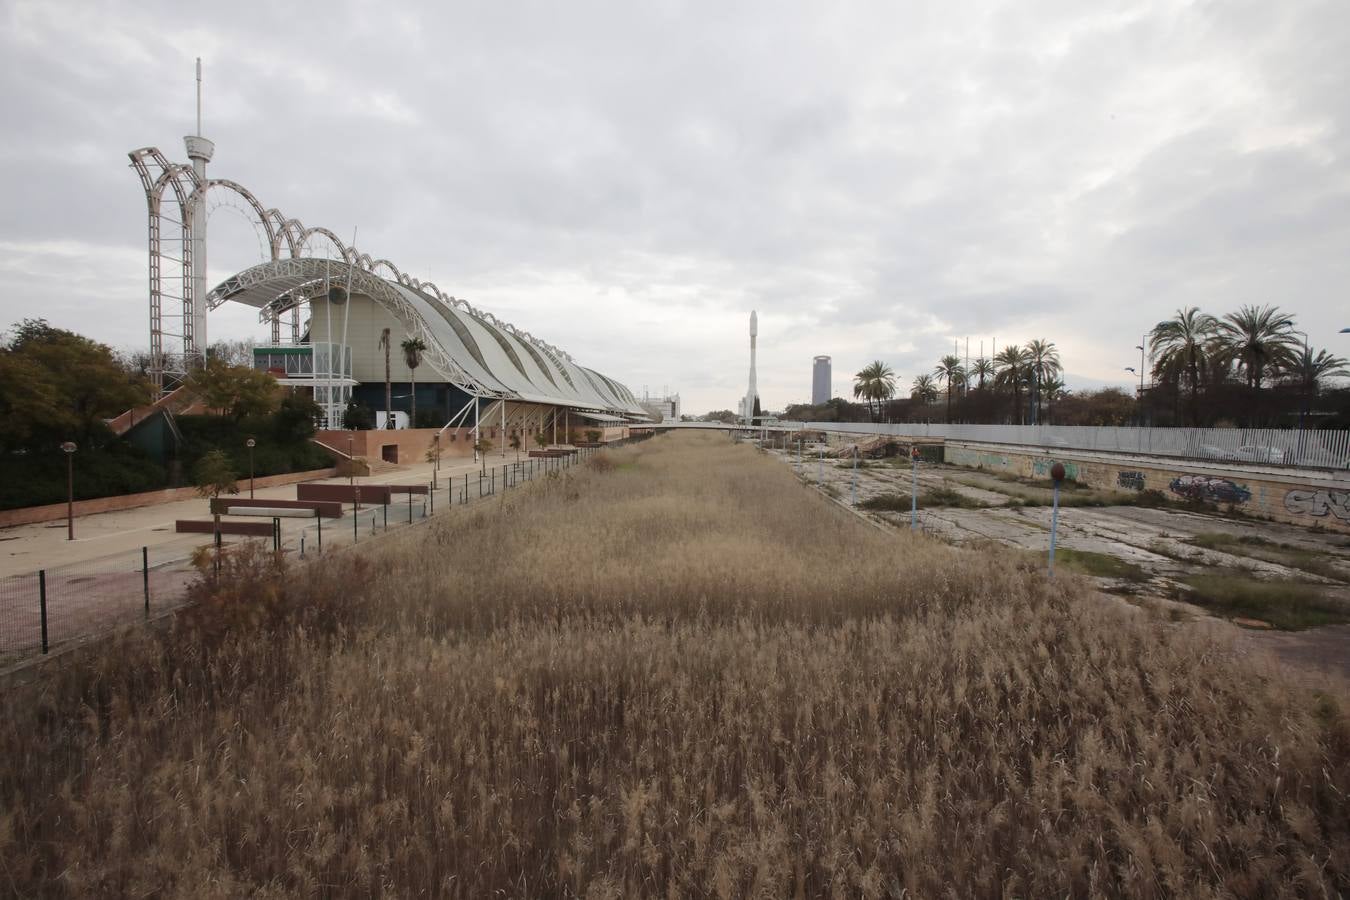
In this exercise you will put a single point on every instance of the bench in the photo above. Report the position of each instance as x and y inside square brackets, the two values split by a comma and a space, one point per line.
[329, 510]
[246, 529]
[374, 494]
[405, 489]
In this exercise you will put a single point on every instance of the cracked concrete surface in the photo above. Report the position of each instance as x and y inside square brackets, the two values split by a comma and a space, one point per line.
[1159, 541]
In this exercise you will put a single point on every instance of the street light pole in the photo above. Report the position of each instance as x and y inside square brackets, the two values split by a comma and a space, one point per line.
[351, 462]
[250, 443]
[69, 447]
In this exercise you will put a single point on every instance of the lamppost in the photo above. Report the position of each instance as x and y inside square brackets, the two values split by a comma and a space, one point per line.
[70, 448]
[1306, 389]
[351, 462]
[1139, 413]
[250, 443]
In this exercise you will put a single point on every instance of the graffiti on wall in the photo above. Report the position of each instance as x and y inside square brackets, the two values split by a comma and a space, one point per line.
[1211, 490]
[1132, 481]
[1318, 503]
[1041, 467]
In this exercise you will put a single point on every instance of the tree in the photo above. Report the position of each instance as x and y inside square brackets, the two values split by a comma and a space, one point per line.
[923, 389]
[388, 383]
[358, 416]
[725, 416]
[875, 384]
[982, 369]
[232, 353]
[1309, 369]
[413, 348]
[294, 419]
[236, 391]
[949, 370]
[515, 443]
[213, 475]
[1183, 346]
[541, 439]
[1042, 366]
[56, 385]
[593, 435]
[1053, 391]
[1259, 340]
[1012, 362]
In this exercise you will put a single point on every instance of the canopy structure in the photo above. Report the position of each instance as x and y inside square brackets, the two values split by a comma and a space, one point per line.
[467, 348]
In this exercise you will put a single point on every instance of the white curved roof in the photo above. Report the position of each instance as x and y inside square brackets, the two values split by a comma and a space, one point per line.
[477, 355]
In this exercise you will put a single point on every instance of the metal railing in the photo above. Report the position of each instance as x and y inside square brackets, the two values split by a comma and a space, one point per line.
[42, 610]
[1311, 448]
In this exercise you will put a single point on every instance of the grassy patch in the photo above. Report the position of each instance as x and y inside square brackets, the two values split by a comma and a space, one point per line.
[929, 499]
[1284, 604]
[1256, 547]
[1099, 565]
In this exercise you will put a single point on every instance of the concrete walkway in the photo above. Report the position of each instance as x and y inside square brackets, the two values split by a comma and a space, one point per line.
[25, 549]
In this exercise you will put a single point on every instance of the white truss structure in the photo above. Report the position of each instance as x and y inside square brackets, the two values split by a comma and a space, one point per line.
[174, 349]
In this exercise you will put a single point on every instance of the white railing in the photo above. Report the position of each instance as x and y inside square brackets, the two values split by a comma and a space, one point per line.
[1323, 449]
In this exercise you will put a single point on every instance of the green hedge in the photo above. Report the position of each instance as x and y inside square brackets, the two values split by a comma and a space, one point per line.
[36, 479]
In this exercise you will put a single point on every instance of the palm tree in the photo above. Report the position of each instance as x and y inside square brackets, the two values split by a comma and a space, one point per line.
[923, 389]
[1012, 362]
[875, 384]
[949, 370]
[1184, 344]
[1259, 339]
[982, 369]
[388, 384]
[413, 348]
[1309, 369]
[1052, 390]
[1044, 366]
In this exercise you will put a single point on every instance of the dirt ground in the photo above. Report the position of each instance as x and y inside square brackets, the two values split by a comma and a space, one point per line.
[1285, 589]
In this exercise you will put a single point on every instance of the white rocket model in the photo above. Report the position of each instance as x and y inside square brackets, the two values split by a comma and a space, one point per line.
[752, 393]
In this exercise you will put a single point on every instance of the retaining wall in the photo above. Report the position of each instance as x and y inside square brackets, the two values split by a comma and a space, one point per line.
[1300, 497]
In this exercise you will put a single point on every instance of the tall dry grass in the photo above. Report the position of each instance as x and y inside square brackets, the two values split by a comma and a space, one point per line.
[677, 673]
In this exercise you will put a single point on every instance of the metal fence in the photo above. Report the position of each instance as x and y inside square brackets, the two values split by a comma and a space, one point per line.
[1312, 448]
[44, 609]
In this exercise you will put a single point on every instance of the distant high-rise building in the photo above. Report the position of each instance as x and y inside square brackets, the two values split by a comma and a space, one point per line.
[750, 405]
[820, 381]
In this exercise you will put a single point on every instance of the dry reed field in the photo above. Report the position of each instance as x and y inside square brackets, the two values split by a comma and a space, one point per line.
[675, 672]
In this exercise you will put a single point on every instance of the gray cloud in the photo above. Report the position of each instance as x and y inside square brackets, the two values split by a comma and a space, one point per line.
[629, 180]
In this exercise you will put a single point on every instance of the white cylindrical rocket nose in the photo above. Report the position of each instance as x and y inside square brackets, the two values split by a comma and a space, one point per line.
[754, 324]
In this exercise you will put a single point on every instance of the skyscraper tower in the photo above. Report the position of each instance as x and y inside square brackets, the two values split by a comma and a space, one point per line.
[750, 405]
[821, 386]
[199, 150]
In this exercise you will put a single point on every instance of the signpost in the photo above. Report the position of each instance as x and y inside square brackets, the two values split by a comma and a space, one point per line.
[914, 489]
[1057, 475]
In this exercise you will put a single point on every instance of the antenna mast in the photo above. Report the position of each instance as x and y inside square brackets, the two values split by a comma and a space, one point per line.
[199, 96]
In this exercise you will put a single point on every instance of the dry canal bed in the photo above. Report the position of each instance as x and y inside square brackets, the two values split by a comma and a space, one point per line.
[1180, 562]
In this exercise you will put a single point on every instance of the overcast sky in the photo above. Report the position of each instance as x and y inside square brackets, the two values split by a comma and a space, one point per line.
[628, 180]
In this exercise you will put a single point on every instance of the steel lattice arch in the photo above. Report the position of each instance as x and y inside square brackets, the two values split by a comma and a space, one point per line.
[468, 348]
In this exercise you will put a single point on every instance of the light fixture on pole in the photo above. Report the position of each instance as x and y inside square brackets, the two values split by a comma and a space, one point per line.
[69, 447]
[250, 444]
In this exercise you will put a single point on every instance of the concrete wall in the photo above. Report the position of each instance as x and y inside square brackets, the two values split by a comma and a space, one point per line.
[1300, 497]
[56, 511]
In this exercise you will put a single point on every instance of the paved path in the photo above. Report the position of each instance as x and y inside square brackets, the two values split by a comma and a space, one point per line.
[24, 549]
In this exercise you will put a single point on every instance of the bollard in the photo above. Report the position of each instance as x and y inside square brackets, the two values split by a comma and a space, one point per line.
[386, 515]
[432, 495]
[302, 543]
[853, 489]
[42, 605]
[276, 534]
[820, 467]
[914, 490]
[1057, 474]
[145, 578]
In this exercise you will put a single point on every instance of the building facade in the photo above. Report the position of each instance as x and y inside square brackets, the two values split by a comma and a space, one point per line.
[821, 387]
